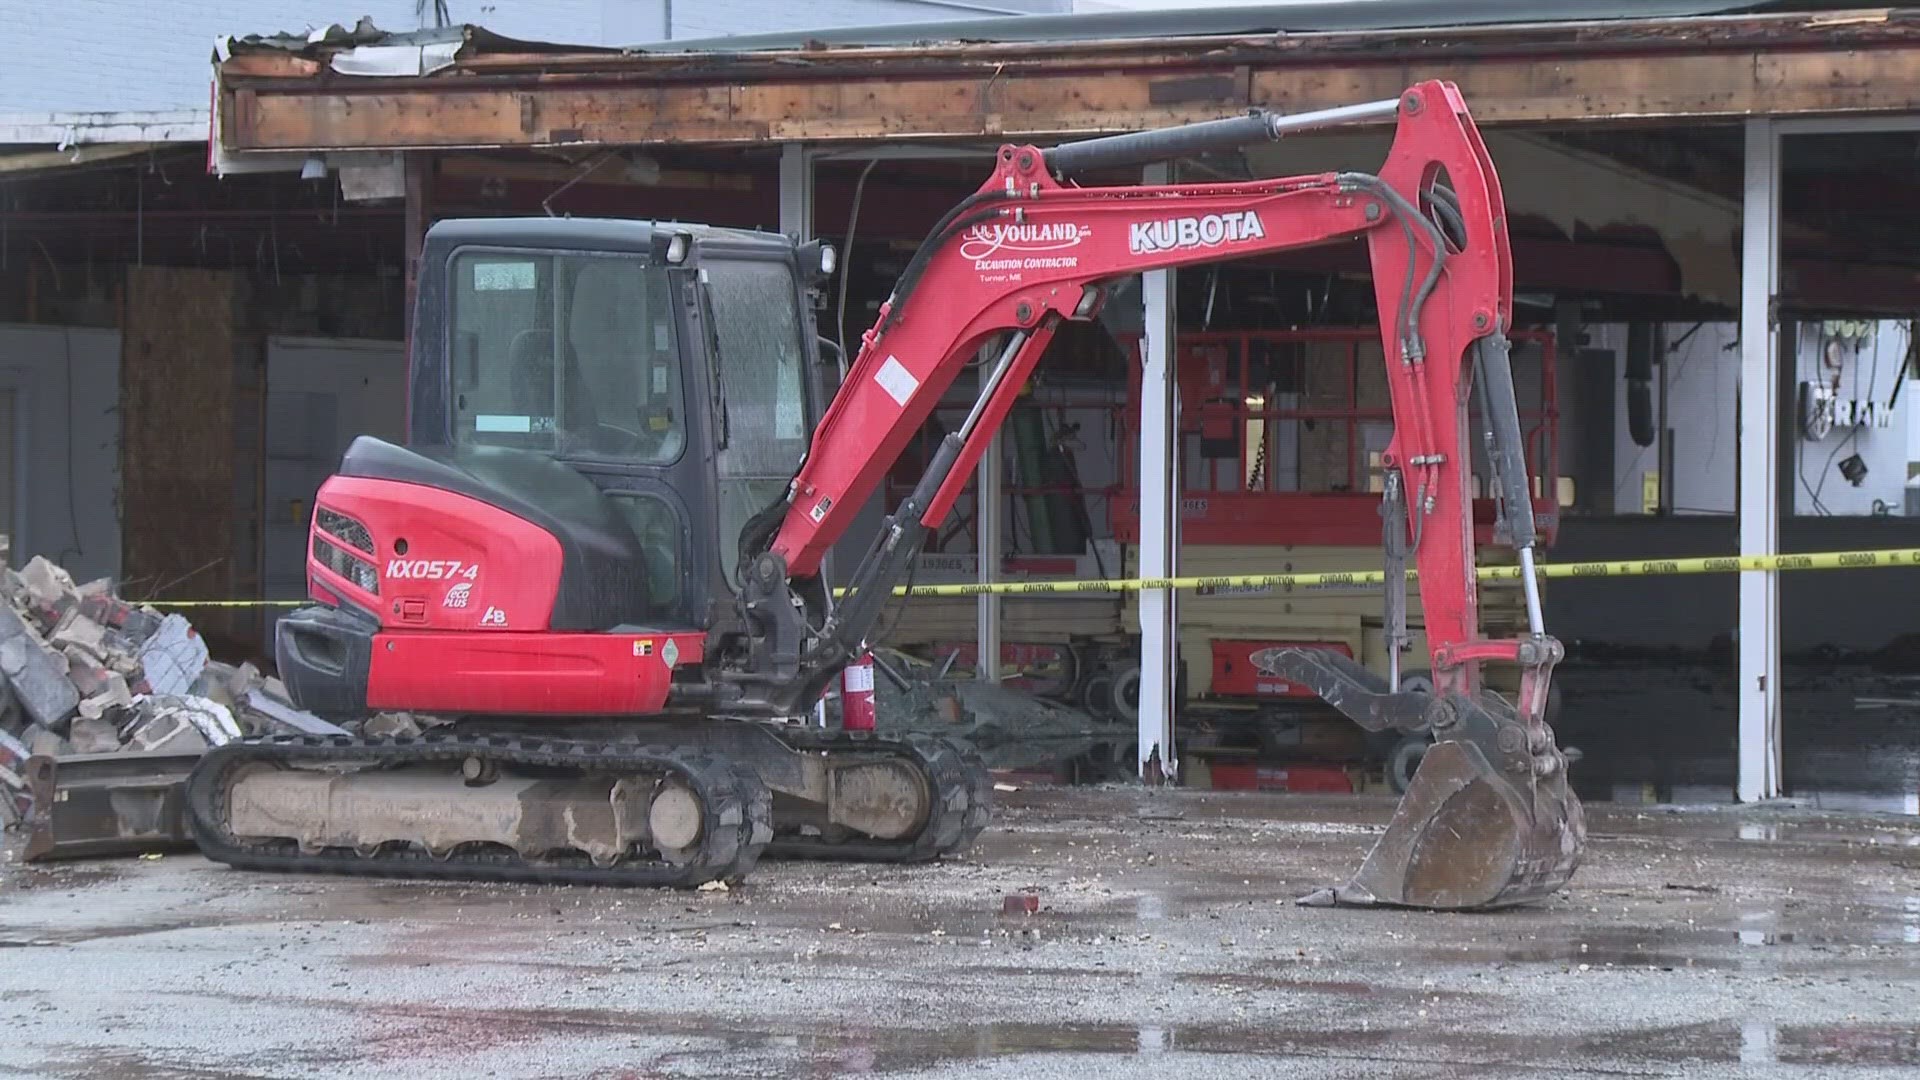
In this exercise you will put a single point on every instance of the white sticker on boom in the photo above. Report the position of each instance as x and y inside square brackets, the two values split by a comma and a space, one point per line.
[897, 381]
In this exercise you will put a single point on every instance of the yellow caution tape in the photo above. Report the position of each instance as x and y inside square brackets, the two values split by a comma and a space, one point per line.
[1346, 579]
[1724, 564]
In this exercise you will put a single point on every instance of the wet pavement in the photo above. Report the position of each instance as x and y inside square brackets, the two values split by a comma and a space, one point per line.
[1716, 942]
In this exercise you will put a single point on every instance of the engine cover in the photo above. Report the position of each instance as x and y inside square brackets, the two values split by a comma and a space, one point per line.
[445, 561]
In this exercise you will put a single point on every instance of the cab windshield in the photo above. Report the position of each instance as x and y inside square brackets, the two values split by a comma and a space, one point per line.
[570, 354]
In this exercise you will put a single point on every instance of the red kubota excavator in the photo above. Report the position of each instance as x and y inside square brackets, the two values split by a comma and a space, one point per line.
[601, 551]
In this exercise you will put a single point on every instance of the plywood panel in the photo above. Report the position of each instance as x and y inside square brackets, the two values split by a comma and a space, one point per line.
[176, 411]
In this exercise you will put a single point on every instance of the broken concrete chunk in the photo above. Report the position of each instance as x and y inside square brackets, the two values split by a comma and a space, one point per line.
[216, 683]
[80, 655]
[94, 735]
[15, 800]
[38, 674]
[390, 726]
[135, 624]
[212, 719]
[173, 657]
[77, 629]
[113, 696]
[227, 684]
[86, 673]
[13, 752]
[277, 717]
[46, 581]
[126, 665]
[43, 742]
[169, 731]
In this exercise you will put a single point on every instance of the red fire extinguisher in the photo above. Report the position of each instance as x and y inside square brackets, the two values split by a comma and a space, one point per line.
[856, 694]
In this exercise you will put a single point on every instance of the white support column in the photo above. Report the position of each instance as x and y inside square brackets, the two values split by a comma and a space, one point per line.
[796, 191]
[796, 220]
[989, 502]
[1759, 494]
[1159, 520]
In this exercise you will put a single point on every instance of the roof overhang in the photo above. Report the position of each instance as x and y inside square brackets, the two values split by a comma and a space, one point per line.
[494, 93]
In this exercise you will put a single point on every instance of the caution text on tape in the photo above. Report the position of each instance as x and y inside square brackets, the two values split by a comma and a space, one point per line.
[1344, 579]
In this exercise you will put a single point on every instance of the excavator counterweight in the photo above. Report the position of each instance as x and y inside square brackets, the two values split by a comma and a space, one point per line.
[601, 552]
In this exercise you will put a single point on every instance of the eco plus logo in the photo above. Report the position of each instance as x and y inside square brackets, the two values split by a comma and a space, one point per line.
[459, 595]
[985, 241]
[1212, 230]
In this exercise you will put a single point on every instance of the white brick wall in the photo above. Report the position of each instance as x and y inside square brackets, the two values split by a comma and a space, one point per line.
[150, 55]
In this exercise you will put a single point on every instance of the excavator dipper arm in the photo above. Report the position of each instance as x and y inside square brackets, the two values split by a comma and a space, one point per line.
[1029, 250]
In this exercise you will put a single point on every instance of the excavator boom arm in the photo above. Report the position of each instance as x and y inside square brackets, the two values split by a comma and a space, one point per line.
[1027, 251]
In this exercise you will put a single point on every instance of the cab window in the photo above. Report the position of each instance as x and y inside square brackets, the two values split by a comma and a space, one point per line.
[570, 354]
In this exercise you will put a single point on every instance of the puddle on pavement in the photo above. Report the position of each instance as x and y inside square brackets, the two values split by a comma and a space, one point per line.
[382, 1029]
[879, 1051]
[1627, 947]
[1704, 947]
[1766, 1042]
[1749, 1042]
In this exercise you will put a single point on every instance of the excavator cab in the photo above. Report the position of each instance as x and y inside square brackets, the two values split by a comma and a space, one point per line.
[625, 387]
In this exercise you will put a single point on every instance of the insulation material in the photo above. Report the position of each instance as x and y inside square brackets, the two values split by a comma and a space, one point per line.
[173, 657]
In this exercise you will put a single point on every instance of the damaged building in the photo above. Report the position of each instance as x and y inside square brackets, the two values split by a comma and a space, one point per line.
[1715, 329]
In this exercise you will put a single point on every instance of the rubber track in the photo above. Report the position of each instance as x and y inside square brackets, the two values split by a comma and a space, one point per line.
[962, 804]
[737, 807]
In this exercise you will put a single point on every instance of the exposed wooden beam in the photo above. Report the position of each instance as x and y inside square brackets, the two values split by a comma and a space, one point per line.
[1555, 74]
[1039, 104]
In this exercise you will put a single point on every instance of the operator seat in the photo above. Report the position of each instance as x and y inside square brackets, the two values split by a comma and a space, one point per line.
[530, 371]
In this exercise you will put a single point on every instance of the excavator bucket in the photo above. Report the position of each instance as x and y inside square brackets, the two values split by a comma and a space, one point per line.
[91, 805]
[1488, 821]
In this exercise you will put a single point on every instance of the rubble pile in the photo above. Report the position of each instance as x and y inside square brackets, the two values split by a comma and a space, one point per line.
[83, 672]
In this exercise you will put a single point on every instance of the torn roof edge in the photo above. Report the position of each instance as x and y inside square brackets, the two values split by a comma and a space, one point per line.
[1325, 16]
[365, 33]
[1311, 17]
